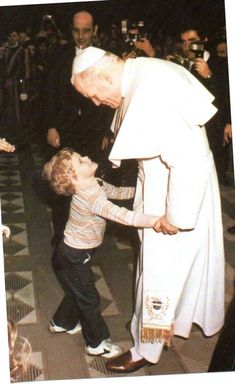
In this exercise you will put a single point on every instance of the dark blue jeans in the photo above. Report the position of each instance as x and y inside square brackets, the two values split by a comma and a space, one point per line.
[81, 300]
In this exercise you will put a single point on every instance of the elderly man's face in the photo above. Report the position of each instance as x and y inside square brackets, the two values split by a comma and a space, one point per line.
[100, 90]
[83, 29]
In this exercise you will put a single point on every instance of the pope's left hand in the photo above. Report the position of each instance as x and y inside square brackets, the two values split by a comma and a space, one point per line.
[163, 225]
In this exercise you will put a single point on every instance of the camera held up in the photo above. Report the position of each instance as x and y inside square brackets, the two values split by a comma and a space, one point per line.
[131, 33]
[198, 48]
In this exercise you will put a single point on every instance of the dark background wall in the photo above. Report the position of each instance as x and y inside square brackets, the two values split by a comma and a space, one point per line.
[167, 15]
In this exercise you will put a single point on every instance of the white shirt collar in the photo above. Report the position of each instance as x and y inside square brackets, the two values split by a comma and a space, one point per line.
[206, 55]
[77, 50]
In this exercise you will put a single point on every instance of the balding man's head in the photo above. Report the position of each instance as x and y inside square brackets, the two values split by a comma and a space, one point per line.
[83, 29]
[83, 17]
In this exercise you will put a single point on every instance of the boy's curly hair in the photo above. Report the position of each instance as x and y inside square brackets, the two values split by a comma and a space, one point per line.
[60, 173]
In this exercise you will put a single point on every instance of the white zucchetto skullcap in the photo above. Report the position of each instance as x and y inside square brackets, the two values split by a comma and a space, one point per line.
[87, 58]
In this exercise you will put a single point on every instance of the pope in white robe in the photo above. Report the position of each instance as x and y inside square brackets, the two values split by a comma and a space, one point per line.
[180, 279]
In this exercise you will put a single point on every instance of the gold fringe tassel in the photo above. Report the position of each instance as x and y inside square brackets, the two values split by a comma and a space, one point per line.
[151, 335]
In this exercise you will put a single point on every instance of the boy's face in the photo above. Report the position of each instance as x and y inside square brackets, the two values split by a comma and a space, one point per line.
[83, 166]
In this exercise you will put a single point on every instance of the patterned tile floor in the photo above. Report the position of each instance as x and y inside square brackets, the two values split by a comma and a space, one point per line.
[32, 292]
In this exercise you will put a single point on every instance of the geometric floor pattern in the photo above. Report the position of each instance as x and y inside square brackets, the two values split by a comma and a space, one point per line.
[17, 245]
[19, 285]
[11, 202]
[34, 369]
[20, 297]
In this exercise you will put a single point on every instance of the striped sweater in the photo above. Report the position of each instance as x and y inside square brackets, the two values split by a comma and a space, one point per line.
[89, 210]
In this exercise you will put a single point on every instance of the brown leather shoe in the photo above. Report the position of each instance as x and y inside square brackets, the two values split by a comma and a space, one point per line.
[124, 363]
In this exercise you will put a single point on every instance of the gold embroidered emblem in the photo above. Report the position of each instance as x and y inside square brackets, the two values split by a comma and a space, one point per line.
[156, 307]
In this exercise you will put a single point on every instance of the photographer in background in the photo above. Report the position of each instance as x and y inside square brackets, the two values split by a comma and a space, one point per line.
[197, 59]
[213, 74]
[136, 41]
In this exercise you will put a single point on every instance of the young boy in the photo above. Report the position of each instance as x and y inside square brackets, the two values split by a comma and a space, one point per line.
[70, 174]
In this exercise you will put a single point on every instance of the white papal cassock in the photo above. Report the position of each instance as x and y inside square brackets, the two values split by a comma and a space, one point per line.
[180, 279]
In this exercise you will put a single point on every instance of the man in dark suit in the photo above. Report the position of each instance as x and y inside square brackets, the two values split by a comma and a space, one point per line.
[212, 72]
[72, 120]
